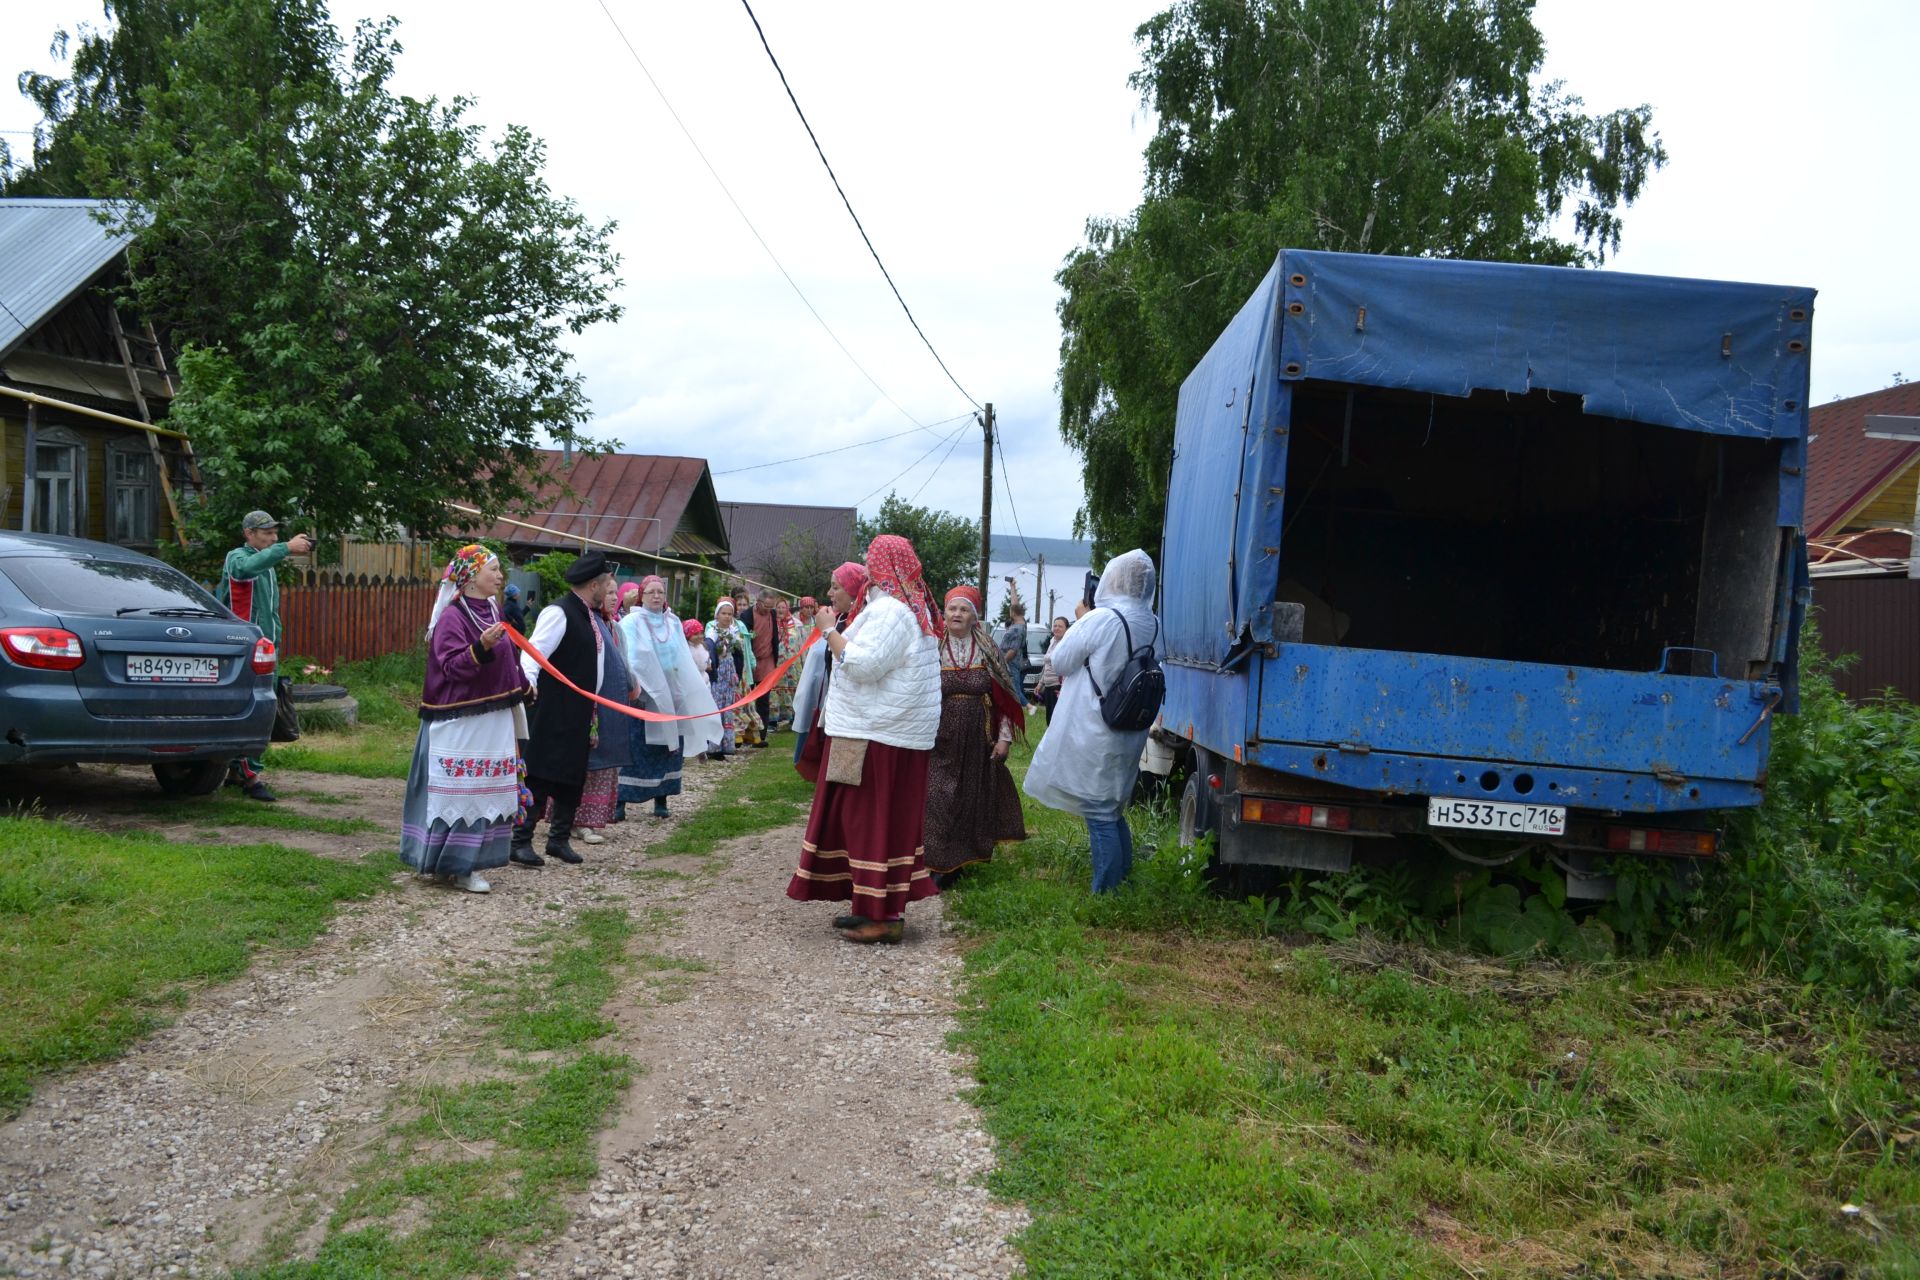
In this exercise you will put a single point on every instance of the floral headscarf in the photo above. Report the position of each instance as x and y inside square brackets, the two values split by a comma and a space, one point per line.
[895, 569]
[693, 629]
[1005, 700]
[651, 580]
[466, 562]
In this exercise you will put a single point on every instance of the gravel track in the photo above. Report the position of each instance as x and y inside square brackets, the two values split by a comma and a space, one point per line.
[797, 1112]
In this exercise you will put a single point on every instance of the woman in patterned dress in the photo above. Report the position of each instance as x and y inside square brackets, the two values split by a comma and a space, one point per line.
[788, 635]
[972, 804]
[600, 796]
[463, 789]
[725, 640]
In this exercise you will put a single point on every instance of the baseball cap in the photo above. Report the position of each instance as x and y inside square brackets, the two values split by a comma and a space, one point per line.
[258, 520]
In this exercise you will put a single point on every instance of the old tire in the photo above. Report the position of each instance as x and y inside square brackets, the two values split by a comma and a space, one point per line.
[1199, 812]
[191, 777]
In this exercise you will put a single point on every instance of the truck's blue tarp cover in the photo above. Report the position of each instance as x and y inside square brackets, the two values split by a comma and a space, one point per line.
[1699, 355]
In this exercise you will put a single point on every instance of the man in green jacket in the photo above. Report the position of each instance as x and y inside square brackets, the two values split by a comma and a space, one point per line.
[250, 587]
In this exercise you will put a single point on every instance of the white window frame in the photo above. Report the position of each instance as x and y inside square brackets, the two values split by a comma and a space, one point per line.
[76, 446]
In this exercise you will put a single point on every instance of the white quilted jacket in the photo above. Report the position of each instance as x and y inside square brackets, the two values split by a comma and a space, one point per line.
[886, 682]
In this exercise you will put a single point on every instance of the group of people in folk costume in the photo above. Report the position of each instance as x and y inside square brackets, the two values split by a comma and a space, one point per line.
[904, 717]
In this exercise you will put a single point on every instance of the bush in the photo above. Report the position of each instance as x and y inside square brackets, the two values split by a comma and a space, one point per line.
[1821, 884]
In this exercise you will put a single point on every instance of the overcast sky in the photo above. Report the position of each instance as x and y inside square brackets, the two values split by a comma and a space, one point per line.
[976, 140]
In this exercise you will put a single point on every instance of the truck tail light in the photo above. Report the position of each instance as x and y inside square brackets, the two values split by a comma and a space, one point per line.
[1698, 844]
[1288, 813]
[263, 657]
[47, 648]
[1213, 781]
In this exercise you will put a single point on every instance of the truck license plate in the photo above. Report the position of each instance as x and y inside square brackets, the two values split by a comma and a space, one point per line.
[154, 668]
[1497, 816]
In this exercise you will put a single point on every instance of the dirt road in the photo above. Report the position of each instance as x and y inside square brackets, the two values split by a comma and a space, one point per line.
[795, 1111]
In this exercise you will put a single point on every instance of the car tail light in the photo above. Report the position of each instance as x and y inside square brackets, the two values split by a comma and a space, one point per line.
[1287, 813]
[47, 648]
[1698, 844]
[263, 657]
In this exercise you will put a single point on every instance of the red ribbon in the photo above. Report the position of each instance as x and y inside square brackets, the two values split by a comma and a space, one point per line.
[758, 691]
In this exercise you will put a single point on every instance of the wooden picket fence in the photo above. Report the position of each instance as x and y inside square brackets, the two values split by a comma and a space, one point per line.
[333, 617]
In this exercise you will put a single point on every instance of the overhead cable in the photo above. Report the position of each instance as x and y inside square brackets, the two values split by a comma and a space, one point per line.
[858, 444]
[1006, 482]
[818, 150]
[728, 192]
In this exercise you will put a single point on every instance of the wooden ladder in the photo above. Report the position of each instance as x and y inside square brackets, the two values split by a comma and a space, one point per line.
[151, 342]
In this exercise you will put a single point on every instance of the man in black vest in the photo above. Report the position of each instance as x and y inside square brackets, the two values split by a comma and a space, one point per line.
[561, 720]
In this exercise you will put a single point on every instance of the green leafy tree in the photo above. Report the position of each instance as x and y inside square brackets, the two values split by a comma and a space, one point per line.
[802, 564]
[1412, 127]
[948, 545]
[369, 295]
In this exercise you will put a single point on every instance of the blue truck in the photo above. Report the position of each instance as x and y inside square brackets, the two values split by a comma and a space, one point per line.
[1483, 557]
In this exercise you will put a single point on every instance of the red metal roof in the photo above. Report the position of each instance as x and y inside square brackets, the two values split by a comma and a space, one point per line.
[643, 501]
[1844, 468]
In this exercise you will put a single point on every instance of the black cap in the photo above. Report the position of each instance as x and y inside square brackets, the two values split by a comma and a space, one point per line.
[588, 567]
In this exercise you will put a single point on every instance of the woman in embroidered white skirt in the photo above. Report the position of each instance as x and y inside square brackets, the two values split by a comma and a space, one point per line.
[463, 790]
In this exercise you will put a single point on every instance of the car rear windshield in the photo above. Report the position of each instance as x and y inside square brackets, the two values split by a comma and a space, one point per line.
[61, 584]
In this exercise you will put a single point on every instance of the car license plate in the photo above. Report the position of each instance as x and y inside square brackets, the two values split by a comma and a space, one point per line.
[1498, 817]
[154, 668]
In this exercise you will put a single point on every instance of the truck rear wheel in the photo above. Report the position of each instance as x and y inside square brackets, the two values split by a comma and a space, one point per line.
[1198, 812]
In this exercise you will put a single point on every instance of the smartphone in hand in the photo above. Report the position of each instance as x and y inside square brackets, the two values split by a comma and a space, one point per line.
[1093, 583]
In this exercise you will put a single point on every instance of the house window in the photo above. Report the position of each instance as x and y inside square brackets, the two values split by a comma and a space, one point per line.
[130, 483]
[56, 486]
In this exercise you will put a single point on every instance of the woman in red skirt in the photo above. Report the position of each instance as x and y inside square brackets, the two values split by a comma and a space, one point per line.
[882, 715]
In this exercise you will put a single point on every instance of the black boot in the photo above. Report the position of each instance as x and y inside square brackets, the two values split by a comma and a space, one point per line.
[560, 832]
[520, 853]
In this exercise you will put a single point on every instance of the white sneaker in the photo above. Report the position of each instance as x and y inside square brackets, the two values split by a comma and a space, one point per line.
[592, 837]
[472, 884]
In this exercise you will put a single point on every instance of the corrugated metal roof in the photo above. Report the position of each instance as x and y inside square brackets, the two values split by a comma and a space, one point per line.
[755, 529]
[643, 501]
[1845, 468]
[49, 249]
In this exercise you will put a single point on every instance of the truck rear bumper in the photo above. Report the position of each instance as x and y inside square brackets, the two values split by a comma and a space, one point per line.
[1393, 774]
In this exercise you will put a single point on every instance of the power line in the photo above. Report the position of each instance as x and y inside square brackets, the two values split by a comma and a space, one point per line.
[1006, 482]
[936, 471]
[728, 192]
[858, 444]
[818, 150]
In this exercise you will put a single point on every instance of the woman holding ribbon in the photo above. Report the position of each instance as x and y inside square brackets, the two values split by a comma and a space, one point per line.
[665, 681]
[731, 657]
[863, 839]
[463, 789]
[972, 803]
[611, 750]
[848, 587]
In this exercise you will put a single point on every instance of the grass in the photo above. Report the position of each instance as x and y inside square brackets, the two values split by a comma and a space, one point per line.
[468, 1174]
[1175, 1094]
[759, 792]
[102, 935]
[381, 745]
[235, 811]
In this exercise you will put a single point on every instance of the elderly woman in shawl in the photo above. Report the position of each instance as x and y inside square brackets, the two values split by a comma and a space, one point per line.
[1081, 766]
[731, 657]
[816, 669]
[972, 803]
[463, 789]
[666, 681]
[864, 836]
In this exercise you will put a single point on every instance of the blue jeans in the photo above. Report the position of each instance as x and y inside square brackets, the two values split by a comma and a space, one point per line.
[1112, 841]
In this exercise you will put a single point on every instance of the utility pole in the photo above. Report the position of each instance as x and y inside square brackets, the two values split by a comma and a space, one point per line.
[986, 498]
[1040, 589]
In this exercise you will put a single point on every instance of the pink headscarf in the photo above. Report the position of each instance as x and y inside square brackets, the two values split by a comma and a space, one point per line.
[652, 580]
[693, 629]
[895, 569]
[628, 590]
[851, 578]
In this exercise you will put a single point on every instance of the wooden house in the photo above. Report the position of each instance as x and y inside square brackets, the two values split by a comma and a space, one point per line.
[66, 465]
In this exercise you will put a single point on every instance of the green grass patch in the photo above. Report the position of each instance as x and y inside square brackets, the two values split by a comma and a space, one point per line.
[236, 811]
[1177, 1094]
[101, 935]
[381, 744]
[759, 792]
[468, 1174]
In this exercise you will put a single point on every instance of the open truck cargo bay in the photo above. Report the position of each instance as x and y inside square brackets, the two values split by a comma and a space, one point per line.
[1511, 533]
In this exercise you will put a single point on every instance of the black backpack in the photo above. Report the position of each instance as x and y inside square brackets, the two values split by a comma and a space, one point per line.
[1132, 702]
